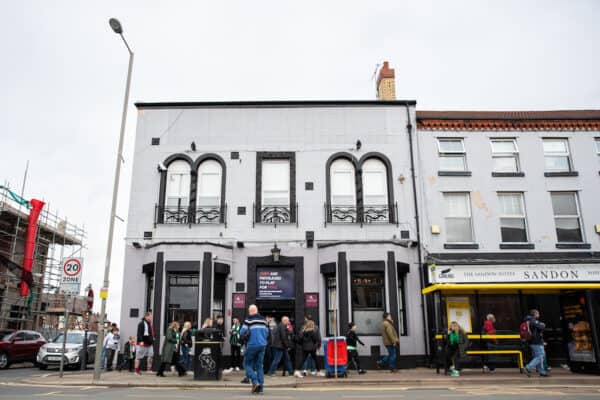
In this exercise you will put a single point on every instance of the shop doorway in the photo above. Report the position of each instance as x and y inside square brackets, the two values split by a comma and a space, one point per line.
[278, 309]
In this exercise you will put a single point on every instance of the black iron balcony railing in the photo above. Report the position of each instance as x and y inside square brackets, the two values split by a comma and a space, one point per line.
[275, 215]
[190, 215]
[366, 214]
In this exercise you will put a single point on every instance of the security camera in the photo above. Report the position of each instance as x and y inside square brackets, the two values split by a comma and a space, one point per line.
[161, 167]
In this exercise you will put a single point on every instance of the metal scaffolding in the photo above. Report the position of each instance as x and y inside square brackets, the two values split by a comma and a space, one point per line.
[56, 239]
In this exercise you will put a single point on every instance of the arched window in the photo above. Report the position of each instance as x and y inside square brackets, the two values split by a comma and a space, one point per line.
[375, 191]
[343, 191]
[209, 183]
[178, 186]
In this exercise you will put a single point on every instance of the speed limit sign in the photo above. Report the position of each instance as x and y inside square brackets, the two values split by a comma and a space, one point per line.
[70, 282]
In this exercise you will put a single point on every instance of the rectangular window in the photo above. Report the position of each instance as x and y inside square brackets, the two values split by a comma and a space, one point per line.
[452, 155]
[209, 189]
[368, 301]
[331, 284]
[458, 218]
[402, 305]
[513, 224]
[556, 155]
[183, 297]
[505, 155]
[276, 183]
[567, 217]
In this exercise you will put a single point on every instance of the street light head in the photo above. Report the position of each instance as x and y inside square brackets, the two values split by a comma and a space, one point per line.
[115, 25]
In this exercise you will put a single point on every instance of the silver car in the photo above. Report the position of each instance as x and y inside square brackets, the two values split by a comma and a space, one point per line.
[50, 353]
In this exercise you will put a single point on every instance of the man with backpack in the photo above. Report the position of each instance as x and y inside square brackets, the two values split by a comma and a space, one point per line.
[531, 332]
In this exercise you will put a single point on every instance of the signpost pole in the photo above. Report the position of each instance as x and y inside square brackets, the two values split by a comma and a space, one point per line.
[64, 343]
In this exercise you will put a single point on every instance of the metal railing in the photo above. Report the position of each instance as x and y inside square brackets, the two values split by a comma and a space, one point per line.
[188, 215]
[275, 215]
[366, 214]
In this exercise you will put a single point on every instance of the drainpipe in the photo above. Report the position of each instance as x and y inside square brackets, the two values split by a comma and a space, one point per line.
[416, 204]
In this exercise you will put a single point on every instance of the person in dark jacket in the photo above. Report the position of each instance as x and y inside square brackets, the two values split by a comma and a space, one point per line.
[219, 329]
[310, 340]
[170, 350]
[280, 344]
[186, 345]
[145, 339]
[456, 348]
[536, 328]
[352, 341]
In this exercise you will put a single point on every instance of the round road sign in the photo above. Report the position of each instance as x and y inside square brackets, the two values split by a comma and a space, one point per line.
[72, 267]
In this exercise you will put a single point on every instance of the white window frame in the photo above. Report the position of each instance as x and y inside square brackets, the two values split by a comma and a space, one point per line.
[263, 191]
[514, 154]
[566, 153]
[342, 166]
[453, 154]
[516, 216]
[470, 215]
[210, 165]
[381, 172]
[176, 168]
[575, 195]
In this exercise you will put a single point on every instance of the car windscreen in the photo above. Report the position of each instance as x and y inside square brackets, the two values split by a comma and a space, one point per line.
[74, 338]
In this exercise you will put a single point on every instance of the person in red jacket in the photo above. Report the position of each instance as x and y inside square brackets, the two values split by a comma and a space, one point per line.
[490, 344]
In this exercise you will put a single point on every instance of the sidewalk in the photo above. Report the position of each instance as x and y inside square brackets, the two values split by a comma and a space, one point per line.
[413, 378]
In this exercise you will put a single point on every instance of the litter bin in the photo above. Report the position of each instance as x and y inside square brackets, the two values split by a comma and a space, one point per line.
[208, 360]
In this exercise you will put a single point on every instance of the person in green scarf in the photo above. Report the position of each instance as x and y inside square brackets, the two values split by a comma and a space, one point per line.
[236, 346]
[456, 347]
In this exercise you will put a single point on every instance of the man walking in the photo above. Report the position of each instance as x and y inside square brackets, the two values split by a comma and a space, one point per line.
[145, 340]
[536, 343]
[280, 344]
[390, 341]
[257, 332]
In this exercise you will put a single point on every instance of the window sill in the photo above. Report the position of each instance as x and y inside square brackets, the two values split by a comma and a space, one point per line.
[508, 174]
[454, 173]
[461, 246]
[517, 246]
[559, 174]
[573, 246]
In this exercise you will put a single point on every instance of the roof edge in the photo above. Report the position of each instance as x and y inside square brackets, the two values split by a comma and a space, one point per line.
[274, 104]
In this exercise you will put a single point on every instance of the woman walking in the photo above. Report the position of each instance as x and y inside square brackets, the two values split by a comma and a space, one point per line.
[310, 340]
[352, 341]
[186, 345]
[455, 348]
[170, 350]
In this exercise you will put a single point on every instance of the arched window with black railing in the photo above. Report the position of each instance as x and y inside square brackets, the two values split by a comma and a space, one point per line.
[359, 191]
[210, 206]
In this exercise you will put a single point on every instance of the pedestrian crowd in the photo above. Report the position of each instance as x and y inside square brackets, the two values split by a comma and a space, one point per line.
[260, 345]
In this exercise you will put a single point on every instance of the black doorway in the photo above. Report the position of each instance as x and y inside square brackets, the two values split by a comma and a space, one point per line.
[278, 309]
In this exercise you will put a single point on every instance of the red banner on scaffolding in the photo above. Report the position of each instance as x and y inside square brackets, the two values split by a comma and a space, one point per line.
[32, 223]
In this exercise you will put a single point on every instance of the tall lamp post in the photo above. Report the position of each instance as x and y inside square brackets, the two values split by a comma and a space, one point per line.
[118, 29]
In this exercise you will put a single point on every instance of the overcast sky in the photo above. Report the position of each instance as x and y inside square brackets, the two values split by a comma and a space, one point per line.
[62, 75]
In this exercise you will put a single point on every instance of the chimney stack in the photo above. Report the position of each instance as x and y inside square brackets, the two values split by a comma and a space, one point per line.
[386, 83]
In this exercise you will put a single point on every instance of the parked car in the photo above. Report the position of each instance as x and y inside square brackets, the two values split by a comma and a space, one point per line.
[50, 353]
[19, 346]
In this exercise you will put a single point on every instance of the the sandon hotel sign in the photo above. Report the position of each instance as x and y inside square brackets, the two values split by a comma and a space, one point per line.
[514, 273]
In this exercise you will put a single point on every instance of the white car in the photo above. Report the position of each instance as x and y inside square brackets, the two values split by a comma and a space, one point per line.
[49, 354]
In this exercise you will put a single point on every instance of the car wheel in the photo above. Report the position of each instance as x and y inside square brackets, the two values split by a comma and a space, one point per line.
[4, 361]
[43, 366]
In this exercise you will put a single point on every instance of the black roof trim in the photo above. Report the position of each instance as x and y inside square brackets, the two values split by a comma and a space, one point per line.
[274, 104]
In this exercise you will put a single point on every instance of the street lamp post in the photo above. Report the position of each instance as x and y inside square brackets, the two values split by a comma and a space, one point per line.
[118, 29]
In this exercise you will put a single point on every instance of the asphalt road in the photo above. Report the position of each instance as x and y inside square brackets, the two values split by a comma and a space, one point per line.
[23, 391]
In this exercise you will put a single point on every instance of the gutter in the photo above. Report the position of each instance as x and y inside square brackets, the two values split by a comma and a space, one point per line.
[409, 128]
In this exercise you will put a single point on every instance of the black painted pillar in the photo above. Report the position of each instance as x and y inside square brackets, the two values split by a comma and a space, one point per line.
[157, 310]
[207, 272]
[392, 274]
[342, 274]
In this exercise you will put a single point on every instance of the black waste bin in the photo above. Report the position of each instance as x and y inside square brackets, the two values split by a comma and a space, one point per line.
[208, 360]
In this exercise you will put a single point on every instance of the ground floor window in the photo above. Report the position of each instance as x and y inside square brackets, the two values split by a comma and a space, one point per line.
[401, 305]
[368, 301]
[149, 290]
[331, 287]
[218, 304]
[183, 297]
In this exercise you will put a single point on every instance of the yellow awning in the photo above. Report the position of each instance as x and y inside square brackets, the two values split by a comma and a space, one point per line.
[462, 287]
